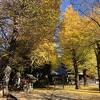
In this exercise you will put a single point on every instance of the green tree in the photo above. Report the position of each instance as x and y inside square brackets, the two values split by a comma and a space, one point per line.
[27, 24]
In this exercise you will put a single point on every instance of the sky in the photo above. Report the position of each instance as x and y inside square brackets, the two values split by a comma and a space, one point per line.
[65, 3]
[87, 4]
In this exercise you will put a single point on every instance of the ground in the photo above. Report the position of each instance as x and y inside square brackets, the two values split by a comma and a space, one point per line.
[58, 93]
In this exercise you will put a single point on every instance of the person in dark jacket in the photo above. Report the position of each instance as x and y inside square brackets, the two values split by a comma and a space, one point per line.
[62, 73]
[62, 70]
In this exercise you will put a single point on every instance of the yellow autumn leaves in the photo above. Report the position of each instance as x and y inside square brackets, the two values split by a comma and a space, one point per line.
[71, 28]
[75, 29]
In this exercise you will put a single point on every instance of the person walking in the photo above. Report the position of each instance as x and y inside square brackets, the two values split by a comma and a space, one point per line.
[62, 73]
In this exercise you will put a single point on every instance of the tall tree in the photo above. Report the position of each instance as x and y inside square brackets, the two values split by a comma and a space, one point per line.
[71, 37]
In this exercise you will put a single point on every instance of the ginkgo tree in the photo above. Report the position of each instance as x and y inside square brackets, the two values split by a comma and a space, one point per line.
[72, 37]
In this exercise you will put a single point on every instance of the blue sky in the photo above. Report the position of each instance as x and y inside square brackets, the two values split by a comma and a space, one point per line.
[66, 3]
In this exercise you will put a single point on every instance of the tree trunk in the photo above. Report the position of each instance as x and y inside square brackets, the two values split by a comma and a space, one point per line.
[12, 42]
[85, 77]
[98, 68]
[98, 61]
[75, 68]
